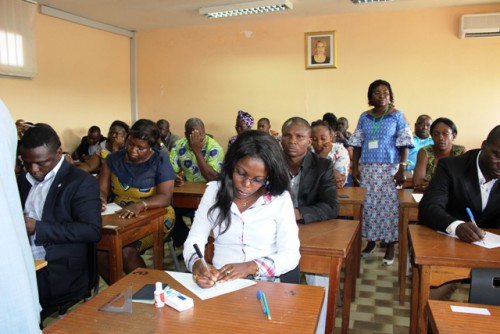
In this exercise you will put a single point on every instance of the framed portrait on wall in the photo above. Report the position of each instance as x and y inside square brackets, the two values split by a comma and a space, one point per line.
[321, 51]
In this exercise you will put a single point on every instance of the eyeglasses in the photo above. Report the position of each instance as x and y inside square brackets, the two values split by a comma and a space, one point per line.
[241, 175]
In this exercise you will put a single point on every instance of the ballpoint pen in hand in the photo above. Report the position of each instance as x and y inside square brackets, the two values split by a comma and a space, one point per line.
[203, 262]
[471, 216]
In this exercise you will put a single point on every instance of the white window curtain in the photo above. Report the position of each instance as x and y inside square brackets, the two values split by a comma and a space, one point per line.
[17, 38]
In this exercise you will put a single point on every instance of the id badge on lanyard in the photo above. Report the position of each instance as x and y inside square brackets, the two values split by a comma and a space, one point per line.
[373, 144]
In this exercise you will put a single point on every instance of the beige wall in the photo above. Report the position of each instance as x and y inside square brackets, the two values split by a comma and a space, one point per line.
[83, 79]
[213, 71]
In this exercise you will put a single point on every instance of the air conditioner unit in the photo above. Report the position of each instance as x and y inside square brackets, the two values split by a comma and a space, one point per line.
[480, 25]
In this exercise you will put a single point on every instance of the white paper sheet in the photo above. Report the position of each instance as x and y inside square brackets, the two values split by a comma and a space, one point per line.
[491, 240]
[417, 197]
[111, 208]
[472, 310]
[186, 279]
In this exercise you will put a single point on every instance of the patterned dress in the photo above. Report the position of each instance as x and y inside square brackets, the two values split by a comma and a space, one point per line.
[378, 167]
[183, 158]
[456, 150]
[131, 183]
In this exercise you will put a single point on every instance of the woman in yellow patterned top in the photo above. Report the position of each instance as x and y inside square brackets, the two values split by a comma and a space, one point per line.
[138, 178]
[443, 132]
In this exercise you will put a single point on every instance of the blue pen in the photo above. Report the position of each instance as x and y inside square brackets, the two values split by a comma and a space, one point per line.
[261, 299]
[471, 216]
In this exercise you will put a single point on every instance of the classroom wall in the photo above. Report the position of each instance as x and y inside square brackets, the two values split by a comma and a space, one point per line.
[212, 71]
[83, 80]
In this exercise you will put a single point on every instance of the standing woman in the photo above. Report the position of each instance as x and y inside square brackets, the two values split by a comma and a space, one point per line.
[138, 177]
[381, 141]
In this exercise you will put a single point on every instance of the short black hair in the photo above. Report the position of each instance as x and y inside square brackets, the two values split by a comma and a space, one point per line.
[264, 119]
[145, 129]
[321, 122]
[493, 135]
[163, 121]
[94, 128]
[446, 121]
[332, 120]
[40, 134]
[296, 120]
[193, 123]
[374, 85]
[120, 124]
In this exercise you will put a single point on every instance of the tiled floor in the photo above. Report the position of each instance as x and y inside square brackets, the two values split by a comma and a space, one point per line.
[376, 308]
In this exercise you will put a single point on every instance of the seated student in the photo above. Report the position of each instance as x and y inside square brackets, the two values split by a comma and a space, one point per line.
[244, 122]
[139, 178]
[264, 125]
[421, 138]
[250, 213]
[62, 214]
[313, 187]
[443, 132]
[118, 132]
[195, 158]
[466, 181]
[342, 126]
[89, 144]
[332, 121]
[323, 145]
[167, 138]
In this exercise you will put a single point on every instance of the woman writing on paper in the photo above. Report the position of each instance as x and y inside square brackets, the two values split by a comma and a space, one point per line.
[250, 213]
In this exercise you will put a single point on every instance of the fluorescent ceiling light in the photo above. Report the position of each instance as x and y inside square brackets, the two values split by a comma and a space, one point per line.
[255, 7]
[369, 1]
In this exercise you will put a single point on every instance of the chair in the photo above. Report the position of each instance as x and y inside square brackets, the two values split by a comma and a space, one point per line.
[485, 286]
[92, 289]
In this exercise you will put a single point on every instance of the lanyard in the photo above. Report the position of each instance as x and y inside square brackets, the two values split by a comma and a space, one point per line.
[375, 125]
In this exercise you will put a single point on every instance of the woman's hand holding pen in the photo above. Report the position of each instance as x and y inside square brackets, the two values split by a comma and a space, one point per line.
[204, 278]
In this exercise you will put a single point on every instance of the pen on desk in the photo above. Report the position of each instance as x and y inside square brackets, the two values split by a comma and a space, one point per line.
[268, 311]
[198, 252]
[261, 299]
[471, 216]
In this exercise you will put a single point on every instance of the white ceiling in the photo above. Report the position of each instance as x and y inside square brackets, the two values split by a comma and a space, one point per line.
[140, 15]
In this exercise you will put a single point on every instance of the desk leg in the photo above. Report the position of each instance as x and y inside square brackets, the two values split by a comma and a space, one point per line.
[158, 248]
[349, 288]
[415, 284]
[403, 253]
[358, 215]
[333, 294]
[115, 256]
[423, 297]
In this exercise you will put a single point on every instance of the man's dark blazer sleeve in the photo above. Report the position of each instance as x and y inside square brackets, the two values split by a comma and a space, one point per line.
[317, 198]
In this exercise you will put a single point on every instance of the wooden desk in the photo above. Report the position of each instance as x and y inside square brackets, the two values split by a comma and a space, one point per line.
[117, 233]
[188, 196]
[436, 259]
[408, 211]
[294, 308]
[408, 179]
[39, 264]
[444, 321]
[324, 248]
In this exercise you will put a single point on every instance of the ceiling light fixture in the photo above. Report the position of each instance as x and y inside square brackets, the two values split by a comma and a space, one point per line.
[357, 2]
[255, 7]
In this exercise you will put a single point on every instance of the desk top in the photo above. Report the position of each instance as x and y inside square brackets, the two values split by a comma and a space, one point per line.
[444, 321]
[294, 308]
[406, 199]
[118, 224]
[191, 188]
[39, 264]
[431, 247]
[330, 237]
[356, 195]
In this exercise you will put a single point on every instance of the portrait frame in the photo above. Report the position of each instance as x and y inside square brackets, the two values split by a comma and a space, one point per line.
[314, 39]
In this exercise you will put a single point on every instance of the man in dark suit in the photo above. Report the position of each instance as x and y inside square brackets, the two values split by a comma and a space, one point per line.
[466, 181]
[314, 190]
[88, 145]
[62, 215]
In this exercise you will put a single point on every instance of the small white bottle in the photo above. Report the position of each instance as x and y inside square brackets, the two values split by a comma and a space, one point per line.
[159, 295]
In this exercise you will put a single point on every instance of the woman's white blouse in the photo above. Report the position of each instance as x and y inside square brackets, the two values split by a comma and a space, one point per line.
[266, 229]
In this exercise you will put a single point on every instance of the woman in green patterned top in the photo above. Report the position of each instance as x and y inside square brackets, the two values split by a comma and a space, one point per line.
[443, 132]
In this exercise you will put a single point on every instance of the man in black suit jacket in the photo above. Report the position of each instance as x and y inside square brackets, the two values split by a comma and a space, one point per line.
[62, 215]
[313, 183]
[467, 181]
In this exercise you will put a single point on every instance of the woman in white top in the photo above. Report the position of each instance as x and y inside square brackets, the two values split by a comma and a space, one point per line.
[250, 213]
[324, 145]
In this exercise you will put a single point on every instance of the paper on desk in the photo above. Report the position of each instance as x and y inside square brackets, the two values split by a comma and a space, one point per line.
[417, 197]
[186, 279]
[472, 310]
[111, 208]
[491, 240]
